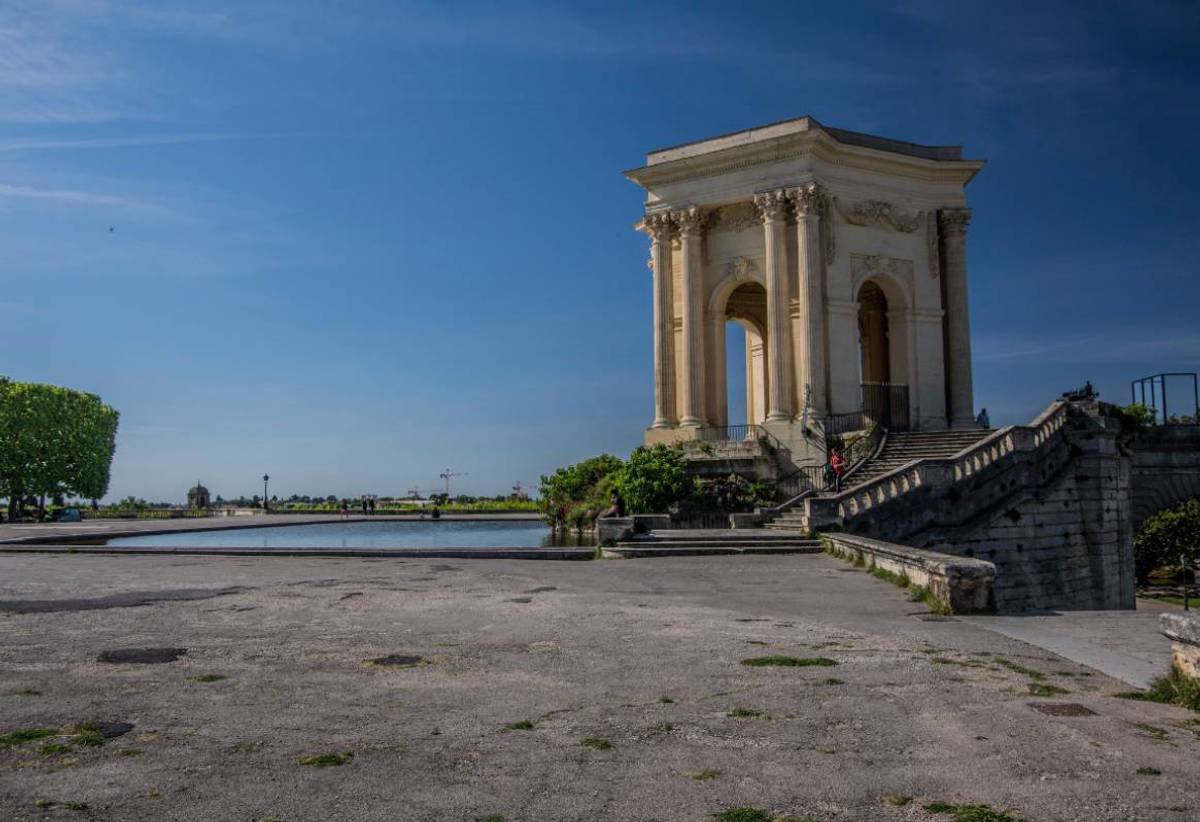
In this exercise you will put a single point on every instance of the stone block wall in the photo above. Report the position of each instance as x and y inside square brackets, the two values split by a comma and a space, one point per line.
[1064, 542]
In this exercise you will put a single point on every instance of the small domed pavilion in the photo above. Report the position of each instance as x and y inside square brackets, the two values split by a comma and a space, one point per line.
[198, 496]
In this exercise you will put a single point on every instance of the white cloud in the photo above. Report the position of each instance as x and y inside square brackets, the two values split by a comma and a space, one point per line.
[73, 198]
[115, 142]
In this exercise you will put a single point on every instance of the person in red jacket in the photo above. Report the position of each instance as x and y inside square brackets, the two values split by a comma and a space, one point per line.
[838, 463]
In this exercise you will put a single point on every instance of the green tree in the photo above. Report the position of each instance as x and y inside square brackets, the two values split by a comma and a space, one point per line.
[1167, 536]
[53, 441]
[653, 479]
[576, 494]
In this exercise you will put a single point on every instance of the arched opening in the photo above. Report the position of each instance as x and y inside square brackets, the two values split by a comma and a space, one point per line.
[743, 337]
[882, 364]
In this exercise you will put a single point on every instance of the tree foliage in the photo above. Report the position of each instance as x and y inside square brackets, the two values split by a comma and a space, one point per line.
[1167, 536]
[54, 441]
[575, 495]
[653, 479]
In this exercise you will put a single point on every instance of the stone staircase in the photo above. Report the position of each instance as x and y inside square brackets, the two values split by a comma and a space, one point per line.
[703, 542]
[903, 447]
[899, 449]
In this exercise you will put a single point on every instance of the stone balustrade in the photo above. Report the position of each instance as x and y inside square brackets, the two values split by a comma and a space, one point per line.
[909, 480]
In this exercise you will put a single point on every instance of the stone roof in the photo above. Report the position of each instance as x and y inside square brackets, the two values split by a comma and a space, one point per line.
[198, 489]
[797, 125]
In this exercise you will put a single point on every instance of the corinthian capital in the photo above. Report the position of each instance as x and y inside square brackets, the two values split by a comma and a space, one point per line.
[659, 226]
[772, 205]
[691, 220]
[809, 199]
[953, 221]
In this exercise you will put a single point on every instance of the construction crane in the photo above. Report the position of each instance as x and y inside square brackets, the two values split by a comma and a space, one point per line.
[415, 493]
[447, 475]
[519, 491]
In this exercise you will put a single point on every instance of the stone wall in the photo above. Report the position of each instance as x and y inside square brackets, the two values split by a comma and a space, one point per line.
[1165, 469]
[1064, 539]
[963, 585]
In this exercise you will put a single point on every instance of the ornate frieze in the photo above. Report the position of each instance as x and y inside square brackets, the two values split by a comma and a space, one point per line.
[740, 268]
[733, 217]
[878, 213]
[772, 205]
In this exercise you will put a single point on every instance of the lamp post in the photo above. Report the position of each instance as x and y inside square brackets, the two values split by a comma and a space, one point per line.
[266, 507]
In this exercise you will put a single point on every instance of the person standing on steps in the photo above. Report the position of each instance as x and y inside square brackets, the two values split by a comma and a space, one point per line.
[982, 420]
[837, 463]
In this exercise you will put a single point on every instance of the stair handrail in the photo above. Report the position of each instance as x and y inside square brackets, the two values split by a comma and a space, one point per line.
[910, 476]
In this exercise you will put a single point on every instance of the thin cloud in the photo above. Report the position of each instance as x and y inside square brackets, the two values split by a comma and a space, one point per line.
[1181, 346]
[117, 142]
[73, 198]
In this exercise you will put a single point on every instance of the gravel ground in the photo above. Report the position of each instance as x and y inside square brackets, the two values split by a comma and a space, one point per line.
[643, 657]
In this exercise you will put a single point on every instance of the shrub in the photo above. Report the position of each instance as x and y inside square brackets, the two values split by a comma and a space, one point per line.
[576, 494]
[653, 479]
[1167, 536]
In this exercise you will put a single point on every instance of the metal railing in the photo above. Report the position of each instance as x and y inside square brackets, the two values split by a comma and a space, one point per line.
[738, 433]
[1183, 407]
[880, 403]
[805, 478]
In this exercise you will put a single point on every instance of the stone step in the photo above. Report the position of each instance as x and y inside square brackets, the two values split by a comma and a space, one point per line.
[704, 535]
[646, 550]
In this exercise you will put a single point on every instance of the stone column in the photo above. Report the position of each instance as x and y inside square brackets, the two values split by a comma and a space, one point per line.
[773, 209]
[810, 326]
[953, 235]
[659, 227]
[691, 225]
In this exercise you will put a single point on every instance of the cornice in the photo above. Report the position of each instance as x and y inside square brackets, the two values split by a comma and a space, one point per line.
[817, 144]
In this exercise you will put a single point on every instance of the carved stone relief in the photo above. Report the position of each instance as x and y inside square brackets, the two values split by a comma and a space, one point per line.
[733, 217]
[878, 213]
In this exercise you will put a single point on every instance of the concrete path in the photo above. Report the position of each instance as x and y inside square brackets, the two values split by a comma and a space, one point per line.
[1126, 645]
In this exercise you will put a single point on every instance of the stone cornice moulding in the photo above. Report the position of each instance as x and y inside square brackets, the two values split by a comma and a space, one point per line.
[815, 144]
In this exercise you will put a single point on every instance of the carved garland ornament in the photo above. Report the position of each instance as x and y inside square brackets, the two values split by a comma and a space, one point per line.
[876, 212]
[931, 244]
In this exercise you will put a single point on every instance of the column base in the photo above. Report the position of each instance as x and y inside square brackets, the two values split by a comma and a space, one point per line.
[691, 422]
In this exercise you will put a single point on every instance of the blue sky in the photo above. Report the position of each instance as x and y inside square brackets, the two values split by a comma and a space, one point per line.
[354, 244]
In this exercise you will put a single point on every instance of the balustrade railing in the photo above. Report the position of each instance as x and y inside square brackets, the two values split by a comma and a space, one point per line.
[738, 433]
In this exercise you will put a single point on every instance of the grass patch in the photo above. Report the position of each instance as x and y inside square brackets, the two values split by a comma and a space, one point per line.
[28, 692]
[898, 800]
[131, 752]
[743, 713]
[54, 749]
[832, 681]
[596, 743]
[665, 700]
[884, 574]
[22, 735]
[77, 806]
[87, 737]
[1042, 689]
[203, 678]
[1020, 669]
[1145, 771]
[493, 818]
[704, 776]
[743, 815]
[327, 760]
[921, 594]
[662, 728]
[523, 725]
[44, 803]
[1176, 688]
[788, 661]
[971, 813]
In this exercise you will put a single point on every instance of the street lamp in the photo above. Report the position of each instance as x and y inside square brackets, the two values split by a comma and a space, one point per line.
[265, 479]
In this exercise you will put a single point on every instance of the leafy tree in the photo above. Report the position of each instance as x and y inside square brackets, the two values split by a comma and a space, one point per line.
[1167, 536]
[653, 479]
[53, 442]
[576, 494]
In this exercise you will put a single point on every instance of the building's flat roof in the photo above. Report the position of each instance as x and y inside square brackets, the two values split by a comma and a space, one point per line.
[800, 124]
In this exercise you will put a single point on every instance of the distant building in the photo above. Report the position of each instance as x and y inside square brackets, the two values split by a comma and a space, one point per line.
[198, 497]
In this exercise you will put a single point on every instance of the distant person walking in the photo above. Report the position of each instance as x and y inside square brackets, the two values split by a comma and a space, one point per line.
[982, 420]
[371, 506]
[837, 464]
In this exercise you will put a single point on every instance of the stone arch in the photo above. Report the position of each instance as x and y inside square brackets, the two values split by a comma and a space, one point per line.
[739, 298]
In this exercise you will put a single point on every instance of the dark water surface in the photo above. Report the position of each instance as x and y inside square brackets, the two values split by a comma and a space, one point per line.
[383, 534]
